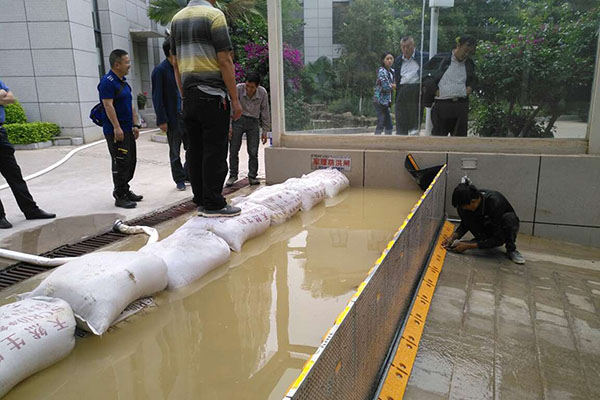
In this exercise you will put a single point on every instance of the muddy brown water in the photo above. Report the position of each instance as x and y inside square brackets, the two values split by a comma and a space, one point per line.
[244, 330]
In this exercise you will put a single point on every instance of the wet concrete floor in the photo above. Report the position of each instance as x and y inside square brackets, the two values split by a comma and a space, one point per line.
[244, 330]
[499, 330]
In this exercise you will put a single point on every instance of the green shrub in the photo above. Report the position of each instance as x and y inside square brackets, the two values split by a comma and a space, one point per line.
[31, 132]
[15, 114]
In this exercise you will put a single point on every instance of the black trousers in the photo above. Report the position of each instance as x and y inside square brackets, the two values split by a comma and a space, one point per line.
[207, 127]
[12, 173]
[249, 126]
[450, 117]
[509, 227]
[124, 157]
[407, 109]
[176, 137]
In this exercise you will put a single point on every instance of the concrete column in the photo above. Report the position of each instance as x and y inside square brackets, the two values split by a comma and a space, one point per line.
[276, 70]
[593, 129]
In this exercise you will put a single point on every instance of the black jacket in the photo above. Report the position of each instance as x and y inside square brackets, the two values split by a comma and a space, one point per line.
[165, 94]
[435, 69]
[485, 223]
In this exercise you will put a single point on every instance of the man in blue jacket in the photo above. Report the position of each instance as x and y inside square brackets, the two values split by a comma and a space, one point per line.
[408, 68]
[167, 106]
[121, 127]
[11, 172]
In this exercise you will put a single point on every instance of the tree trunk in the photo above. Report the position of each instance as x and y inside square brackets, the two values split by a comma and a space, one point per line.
[508, 115]
[529, 122]
[548, 130]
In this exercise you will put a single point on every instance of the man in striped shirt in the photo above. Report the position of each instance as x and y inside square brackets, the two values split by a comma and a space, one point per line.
[453, 75]
[206, 78]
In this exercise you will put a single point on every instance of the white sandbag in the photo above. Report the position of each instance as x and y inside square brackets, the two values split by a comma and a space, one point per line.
[312, 191]
[98, 286]
[189, 253]
[254, 220]
[282, 202]
[334, 180]
[34, 334]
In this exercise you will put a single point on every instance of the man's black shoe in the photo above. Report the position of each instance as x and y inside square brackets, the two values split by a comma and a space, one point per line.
[133, 197]
[125, 203]
[40, 214]
[4, 224]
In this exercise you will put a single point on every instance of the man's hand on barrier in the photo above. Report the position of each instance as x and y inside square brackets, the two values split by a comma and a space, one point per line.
[461, 247]
[163, 127]
[263, 137]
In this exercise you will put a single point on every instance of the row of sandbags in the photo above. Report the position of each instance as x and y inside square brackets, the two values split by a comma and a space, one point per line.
[93, 290]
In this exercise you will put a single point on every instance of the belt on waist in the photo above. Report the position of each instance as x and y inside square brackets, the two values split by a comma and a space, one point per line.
[452, 100]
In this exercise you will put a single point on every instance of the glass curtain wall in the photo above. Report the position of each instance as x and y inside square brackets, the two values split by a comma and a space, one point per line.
[529, 74]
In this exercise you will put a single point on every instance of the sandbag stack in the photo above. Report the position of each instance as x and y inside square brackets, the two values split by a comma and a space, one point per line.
[93, 290]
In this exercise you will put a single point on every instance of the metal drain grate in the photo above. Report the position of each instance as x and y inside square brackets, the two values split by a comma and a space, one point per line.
[19, 272]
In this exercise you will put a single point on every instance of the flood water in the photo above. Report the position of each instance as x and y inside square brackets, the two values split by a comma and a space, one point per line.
[244, 330]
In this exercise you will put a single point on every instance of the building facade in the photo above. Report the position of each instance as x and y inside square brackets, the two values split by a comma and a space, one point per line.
[53, 52]
[323, 20]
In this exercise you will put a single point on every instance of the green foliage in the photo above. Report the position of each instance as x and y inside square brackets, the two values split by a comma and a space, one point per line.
[31, 132]
[15, 114]
[163, 11]
[365, 36]
[320, 81]
[541, 68]
[297, 115]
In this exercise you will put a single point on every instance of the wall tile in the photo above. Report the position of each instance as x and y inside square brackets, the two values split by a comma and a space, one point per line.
[569, 190]
[12, 10]
[15, 63]
[46, 10]
[50, 35]
[14, 36]
[53, 62]
[86, 64]
[515, 176]
[57, 89]
[66, 115]
[23, 88]
[580, 235]
[284, 163]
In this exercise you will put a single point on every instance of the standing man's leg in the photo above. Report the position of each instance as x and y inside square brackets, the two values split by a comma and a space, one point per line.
[437, 120]
[252, 142]
[215, 127]
[412, 108]
[131, 160]
[461, 110]
[12, 173]
[193, 107]
[237, 131]
[121, 169]
[175, 134]
[399, 114]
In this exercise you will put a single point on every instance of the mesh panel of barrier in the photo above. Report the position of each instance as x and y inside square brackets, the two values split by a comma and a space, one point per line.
[348, 362]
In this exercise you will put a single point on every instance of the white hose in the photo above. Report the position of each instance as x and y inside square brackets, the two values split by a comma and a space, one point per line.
[34, 260]
[119, 226]
[62, 161]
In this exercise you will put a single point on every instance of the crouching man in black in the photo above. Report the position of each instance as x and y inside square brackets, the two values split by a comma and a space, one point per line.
[488, 216]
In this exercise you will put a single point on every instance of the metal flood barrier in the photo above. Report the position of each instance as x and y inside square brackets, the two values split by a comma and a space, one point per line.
[349, 362]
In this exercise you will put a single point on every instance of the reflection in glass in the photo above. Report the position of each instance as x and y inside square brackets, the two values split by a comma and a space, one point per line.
[534, 62]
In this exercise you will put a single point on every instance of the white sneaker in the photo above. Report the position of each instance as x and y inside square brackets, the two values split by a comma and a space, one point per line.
[516, 257]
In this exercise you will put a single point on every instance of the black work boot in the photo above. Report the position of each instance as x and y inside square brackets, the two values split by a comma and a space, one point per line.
[133, 197]
[4, 224]
[123, 201]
